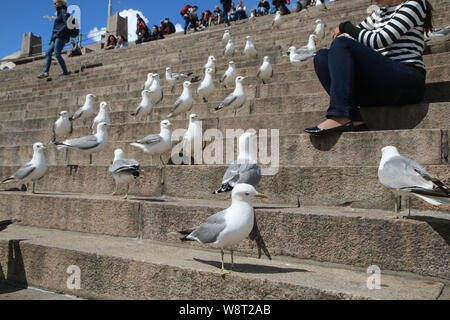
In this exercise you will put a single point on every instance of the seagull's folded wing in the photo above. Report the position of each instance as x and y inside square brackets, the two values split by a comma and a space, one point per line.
[151, 139]
[124, 165]
[84, 143]
[209, 231]
[24, 171]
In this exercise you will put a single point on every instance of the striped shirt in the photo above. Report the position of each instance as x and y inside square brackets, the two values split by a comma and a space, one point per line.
[396, 32]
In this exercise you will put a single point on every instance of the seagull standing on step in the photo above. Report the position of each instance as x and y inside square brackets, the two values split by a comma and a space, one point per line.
[156, 93]
[276, 23]
[210, 64]
[299, 56]
[87, 110]
[148, 83]
[319, 31]
[102, 116]
[226, 36]
[206, 89]
[408, 178]
[265, 72]
[62, 127]
[227, 228]
[157, 144]
[124, 171]
[33, 170]
[252, 17]
[193, 138]
[321, 4]
[236, 99]
[245, 169]
[184, 103]
[145, 107]
[250, 50]
[88, 144]
[229, 49]
[172, 77]
[229, 77]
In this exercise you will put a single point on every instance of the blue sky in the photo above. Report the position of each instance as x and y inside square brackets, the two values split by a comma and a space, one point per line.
[19, 17]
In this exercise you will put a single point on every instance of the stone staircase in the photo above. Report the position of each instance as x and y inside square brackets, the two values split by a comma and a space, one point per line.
[327, 217]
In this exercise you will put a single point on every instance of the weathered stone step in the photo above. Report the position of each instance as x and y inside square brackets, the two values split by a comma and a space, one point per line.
[355, 186]
[125, 266]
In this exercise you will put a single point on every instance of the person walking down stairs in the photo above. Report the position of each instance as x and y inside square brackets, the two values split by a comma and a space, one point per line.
[60, 36]
[384, 66]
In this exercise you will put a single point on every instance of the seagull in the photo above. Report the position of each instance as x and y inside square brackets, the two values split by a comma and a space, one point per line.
[229, 77]
[87, 110]
[156, 93]
[33, 170]
[210, 64]
[62, 127]
[227, 228]
[123, 171]
[172, 77]
[310, 47]
[206, 88]
[226, 35]
[101, 117]
[6, 223]
[276, 23]
[237, 98]
[265, 72]
[184, 102]
[193, 138]
[157, 144]
[250, 50]
[145, 107]
[297, 59]
[408, 178]
[244, 169]
[252, 17]
[319, 3]
[149, 81]
[88, 144]
[319, 31]
[229, 49]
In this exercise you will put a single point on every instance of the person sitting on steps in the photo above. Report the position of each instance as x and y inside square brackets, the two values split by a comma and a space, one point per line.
[384, 66]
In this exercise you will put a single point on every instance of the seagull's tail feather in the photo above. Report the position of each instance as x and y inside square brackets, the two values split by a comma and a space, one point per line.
[224, 188]
[430, 200]
[190, 74]
[8, 180]
[61, 145]
[186, 233]
[138, 145]
[4, 224]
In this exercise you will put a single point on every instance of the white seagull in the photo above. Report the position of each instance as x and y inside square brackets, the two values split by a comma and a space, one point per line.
[252, 16]
[193, 138]
[210, 64]
[33, 170]
[206, 88]
[172, 77]
[145, 107]
[276, 23]
[227, 228]
[157, 144]
[88, 144]
[319, 31]
[124, 171]
[229, 48]
[156, 93]
[62, 127]
[184, 103]
[236, 99]
[148, 83]
[250, 50]
[226, 35]
[87, 110]
[265, 72]
[408, 178]
[102, 116]
[245, 169]
[229, 77]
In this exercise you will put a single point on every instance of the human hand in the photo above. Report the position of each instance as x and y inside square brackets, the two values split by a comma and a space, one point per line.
[336, 32]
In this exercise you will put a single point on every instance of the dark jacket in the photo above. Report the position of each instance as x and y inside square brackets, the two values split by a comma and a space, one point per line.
[265, 4]
[171, 27]
[60, 29]
[142, 29]
[226, 4]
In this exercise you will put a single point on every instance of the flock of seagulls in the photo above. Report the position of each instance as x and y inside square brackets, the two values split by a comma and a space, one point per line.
[226, 228]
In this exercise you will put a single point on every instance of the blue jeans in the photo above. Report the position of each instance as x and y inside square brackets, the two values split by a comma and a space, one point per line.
[356, 75]
[225, 14]
[262, 11]
[189, 21]
[56, 46]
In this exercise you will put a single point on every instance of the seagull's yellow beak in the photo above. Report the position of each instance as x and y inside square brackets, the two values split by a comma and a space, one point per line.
[263, 196]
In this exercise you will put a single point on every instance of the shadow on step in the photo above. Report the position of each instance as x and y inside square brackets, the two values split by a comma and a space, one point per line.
[250, 268]
[15, 270]
[441, 226]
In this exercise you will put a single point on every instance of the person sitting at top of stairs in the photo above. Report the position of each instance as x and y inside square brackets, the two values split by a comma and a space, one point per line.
[384, 66]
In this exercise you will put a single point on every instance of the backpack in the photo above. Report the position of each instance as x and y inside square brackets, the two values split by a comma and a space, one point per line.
[185, 9]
